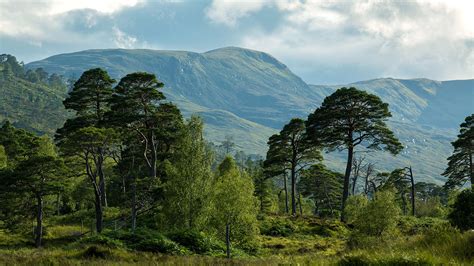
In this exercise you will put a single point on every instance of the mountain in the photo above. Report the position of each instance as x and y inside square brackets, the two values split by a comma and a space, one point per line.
[250, 95]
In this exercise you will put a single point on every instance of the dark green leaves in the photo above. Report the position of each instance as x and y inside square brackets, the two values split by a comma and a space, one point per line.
[350, 117]
[460, 166]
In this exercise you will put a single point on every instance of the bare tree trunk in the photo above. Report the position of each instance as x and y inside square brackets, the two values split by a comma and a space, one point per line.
[39, 221]
[227, 239]
[345, 192]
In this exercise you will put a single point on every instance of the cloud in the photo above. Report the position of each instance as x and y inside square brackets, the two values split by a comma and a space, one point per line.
[122, 40]
[331, 40]
[229, 12]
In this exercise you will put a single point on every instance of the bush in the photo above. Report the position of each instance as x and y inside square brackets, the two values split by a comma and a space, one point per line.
[147, 240]
[410, 225]
[96, 252]
[101, 240]
[277, 227]
[353, 206]
[197, 242]
[462, 214]
[379, 216]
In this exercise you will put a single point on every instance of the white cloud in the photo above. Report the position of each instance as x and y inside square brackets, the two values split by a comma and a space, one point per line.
[123, 40]
[395, 38]
[43, 20]
[103, 6]
[229, 12]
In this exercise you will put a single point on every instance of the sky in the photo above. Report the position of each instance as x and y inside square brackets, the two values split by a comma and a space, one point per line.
[324, 42]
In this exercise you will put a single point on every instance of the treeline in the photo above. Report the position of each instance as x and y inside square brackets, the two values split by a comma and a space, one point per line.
[10, 67]
[126, 148]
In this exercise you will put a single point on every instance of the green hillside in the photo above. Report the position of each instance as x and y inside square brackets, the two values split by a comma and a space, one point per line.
[250, 94]
[34, 104]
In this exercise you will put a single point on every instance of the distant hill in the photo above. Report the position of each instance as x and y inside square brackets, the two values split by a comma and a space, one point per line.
[250, 95]
[30, 99]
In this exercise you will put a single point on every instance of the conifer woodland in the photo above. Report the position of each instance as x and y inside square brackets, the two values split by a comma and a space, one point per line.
[127, 179]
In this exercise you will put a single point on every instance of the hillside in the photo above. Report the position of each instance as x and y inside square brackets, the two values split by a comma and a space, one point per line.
[32, 104]
[250, 94]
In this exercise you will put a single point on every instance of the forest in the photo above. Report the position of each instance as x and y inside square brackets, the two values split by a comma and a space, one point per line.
[128, 179]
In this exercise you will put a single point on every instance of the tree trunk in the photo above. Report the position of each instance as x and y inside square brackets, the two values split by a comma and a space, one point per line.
[412, 192]
[301, 206]
[39, 221]
[154, 157]
[471, 170]
[345, 192]
[100, 168]
[286, 192]
[98, 213]
[293, 190]
[227, 239]
[134, 205]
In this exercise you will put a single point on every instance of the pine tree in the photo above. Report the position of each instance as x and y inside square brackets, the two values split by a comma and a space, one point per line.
[135, 107]
[291, 151]
[324, 187]
[348, 118]
[460, 166]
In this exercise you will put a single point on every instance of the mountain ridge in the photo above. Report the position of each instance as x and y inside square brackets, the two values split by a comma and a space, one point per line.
[251, 95]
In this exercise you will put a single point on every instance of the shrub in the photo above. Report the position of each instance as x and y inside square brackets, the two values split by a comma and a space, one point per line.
[101, 240]
[147, 240]
[379, 216]
[197, 242]
[353, 206]
[277, 227]
[96, 252]
[410, 225]
[462, 214]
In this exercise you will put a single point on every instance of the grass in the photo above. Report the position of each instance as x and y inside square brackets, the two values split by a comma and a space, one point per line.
[305, 241]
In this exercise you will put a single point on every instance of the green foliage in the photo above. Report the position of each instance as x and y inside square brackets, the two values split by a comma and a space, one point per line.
[290, 151]
[431, 207]
[101, 240]
[32, 104]
[3, 157]
[354, 206]
[198, 242]
[147, 240]
[324, 187]
[462, 214]
[277, 227]
[410, 225]
[350, 117]
[234, 204]
[379, 217]
[188, 189]
[460, 165]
